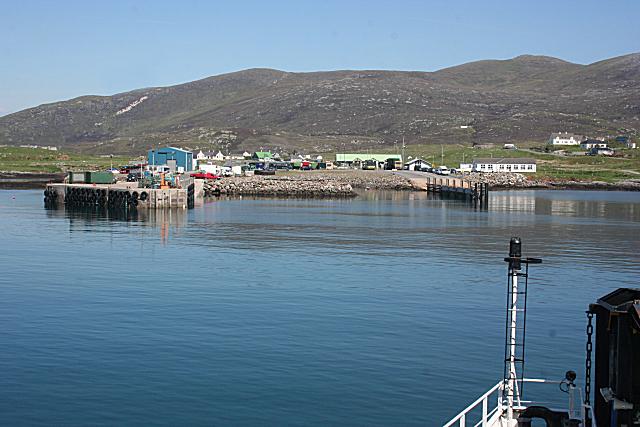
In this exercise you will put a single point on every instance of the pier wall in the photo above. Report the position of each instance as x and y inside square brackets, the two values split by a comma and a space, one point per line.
[121, 195]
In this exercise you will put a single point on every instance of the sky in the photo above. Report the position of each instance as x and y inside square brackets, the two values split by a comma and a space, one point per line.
[56, 50]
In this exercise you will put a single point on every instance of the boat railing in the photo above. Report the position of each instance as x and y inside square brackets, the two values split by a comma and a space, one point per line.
[486, 411]
[483, 402]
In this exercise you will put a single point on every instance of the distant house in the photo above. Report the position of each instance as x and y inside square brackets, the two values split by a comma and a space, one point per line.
[520, 165]
[177, 159]
[565, 138]
[601, 151]
[201, 156]
[509, 146]
[218, 156]
[588, 144]
[625, 141]
[350, 158]
[417, 164]
[246, 155]
[262, 155]
[483, 146]
[465, 167]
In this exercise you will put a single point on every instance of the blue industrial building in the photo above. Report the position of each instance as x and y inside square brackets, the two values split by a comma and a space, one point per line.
[176, 159]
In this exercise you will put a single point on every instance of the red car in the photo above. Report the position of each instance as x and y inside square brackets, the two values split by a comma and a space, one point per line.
[204, 175]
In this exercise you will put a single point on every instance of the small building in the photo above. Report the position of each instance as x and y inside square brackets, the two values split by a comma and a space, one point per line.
[417, 164]
[351, 158]
[601, 151]
[624, 140]
[465, 167]
[503, 165]
[262, 155]
[588, 144]
[509, 146]
[176, 159]
[246, 155]
[565, 138]
[483, 146]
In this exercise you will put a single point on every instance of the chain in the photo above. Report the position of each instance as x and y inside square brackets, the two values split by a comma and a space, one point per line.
[587, 376]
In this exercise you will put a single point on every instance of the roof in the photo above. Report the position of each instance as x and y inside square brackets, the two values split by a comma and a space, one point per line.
[350, 157]
[567, 135]
[416, 160]
[262, 154]
[507, 161]
[165, 149]
[593, 141]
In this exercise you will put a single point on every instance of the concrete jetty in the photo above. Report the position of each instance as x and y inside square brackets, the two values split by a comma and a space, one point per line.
[124, 195]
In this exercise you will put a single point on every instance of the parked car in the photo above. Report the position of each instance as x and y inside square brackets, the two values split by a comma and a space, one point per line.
[443, 170]
[134, 176]
[204, 175]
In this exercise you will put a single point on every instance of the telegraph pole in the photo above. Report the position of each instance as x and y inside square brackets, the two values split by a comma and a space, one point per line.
[403, 158]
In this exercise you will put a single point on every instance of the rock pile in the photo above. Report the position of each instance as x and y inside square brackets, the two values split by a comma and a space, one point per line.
[307, 184]
[516, 180]
[504, 180]
[278, 186]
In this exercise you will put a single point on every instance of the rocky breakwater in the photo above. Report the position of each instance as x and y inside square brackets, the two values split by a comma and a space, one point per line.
[504, 180]
[307, 184]
[278, 186]
[516, 180]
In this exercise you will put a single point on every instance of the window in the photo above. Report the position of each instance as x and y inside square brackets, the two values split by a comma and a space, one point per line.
[530, 167]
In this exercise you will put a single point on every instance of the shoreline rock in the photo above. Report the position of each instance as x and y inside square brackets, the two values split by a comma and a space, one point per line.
[516, 181]
[306, 184]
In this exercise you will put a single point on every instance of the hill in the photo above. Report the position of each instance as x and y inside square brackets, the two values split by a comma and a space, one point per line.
[521, 99]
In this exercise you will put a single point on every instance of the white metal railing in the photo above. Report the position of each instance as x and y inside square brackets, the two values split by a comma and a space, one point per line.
[489, 416]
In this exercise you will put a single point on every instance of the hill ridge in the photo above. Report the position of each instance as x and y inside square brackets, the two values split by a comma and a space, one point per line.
[522, 98]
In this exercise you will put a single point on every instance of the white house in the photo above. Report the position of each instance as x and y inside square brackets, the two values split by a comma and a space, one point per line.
[520, 165]
[417, 164]
[201, 156]
[465, 167]
[218, 156]
[588, 144]
[565, 138]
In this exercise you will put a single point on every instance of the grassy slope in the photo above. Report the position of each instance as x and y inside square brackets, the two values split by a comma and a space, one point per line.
[14, 159]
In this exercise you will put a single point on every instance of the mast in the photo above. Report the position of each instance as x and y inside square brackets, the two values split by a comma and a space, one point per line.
[515, 326]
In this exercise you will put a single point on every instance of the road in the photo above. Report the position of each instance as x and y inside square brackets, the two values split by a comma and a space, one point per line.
[419, 179]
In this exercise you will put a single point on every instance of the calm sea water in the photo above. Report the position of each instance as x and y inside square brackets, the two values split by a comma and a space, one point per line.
[383, 310]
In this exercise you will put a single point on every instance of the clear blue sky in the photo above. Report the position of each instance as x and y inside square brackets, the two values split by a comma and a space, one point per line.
[54, 50]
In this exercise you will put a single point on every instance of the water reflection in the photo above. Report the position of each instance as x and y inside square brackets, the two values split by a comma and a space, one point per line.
[82, 219]
[618, 206]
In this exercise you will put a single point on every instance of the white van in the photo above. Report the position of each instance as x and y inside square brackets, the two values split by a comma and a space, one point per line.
[443, 170]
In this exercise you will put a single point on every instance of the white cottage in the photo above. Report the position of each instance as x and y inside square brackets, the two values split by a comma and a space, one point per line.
[417, 164]
[503, 165]
[565, 138]
[593, 143]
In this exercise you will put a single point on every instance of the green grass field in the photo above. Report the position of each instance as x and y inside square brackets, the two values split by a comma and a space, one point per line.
[15, 159]
[550, 166]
